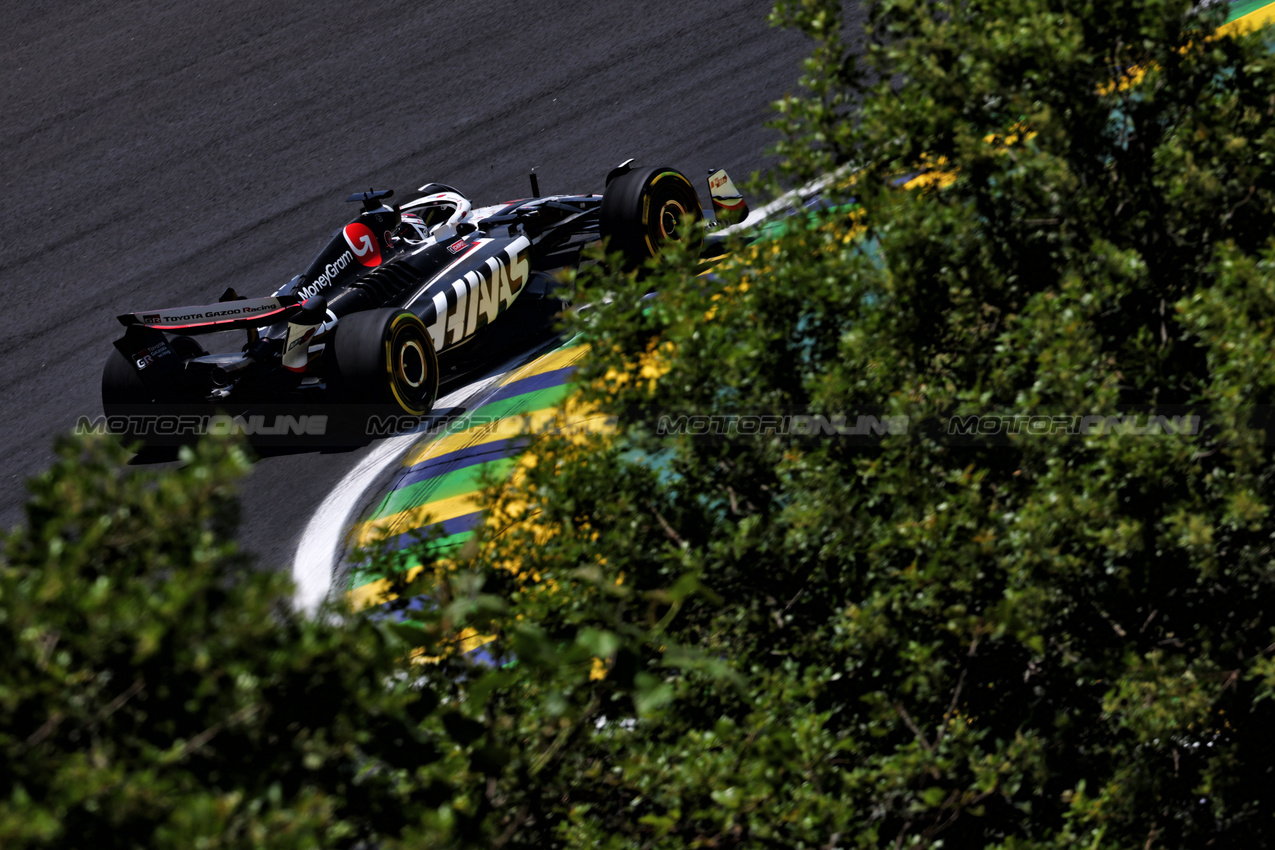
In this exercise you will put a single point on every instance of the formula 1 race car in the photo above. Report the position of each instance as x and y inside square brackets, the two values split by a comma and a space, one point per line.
[394, 289]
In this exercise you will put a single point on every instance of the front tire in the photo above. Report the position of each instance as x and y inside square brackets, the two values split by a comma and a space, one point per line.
[385, 358]
[642, 212]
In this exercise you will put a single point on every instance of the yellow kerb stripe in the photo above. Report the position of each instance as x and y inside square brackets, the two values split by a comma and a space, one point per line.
[553, 361]
[1256, 19]
[441, 511]
[366, 533]
[376, 592]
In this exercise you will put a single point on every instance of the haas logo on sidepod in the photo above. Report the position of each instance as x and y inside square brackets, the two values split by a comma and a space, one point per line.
[364, 245]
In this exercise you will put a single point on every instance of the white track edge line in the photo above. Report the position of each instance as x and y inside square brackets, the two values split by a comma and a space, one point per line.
[324, 535]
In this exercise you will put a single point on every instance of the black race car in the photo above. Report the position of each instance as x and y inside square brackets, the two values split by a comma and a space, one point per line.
[393, 290]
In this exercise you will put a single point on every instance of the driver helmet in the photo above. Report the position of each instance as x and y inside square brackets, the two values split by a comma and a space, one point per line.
[443, 206]
[413, 230]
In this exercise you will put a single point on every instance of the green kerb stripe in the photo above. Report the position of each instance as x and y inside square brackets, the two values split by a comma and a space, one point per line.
[445, 486]
[1239, 10]
[517, 405]
[407, 559]
[463, 480]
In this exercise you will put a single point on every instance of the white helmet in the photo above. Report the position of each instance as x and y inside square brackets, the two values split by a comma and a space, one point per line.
[440, 205]
[413, 230]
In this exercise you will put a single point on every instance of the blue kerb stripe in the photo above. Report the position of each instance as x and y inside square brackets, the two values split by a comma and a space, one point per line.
[455, 525]
[543, 381]
[461, 458]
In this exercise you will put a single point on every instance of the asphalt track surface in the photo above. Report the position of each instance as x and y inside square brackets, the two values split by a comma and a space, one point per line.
[155, 153]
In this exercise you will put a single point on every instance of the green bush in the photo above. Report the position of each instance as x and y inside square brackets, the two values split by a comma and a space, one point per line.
[155, 690]
[1019, 640]
[777, 640]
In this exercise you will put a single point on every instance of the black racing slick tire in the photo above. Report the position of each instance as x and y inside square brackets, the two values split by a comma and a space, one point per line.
[131, 406]
[643, 209]
[385, 358]
[122, 386]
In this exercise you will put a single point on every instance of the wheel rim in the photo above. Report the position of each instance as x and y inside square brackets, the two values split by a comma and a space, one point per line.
[411, 364]
[412, 373]
[670, 217]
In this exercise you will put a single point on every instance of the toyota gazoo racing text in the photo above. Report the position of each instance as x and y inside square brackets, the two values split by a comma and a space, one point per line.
[364, 326]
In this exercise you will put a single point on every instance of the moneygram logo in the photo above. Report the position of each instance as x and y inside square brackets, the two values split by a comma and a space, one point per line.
[361, 241]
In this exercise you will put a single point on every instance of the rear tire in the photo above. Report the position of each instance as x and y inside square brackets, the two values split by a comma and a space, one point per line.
[643, 209]
[125, 396]
[122, 386]
[385, 358]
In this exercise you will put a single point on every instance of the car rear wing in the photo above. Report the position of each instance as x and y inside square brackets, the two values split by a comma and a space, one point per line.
[223, 316]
